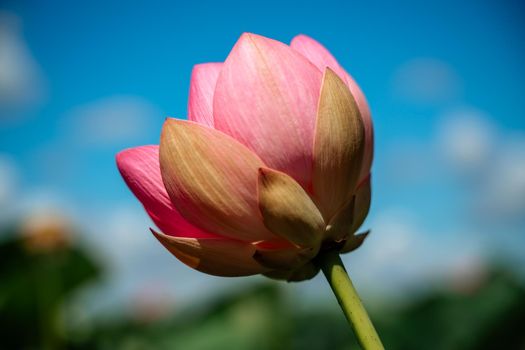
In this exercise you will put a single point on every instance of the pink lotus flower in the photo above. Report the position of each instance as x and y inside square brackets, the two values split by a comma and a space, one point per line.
[271, 168]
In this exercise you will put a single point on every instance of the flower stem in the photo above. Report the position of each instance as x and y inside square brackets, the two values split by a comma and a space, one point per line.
[349, 301]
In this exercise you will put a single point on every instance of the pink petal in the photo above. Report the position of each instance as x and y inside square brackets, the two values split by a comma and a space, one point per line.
[317, 54]
[215, 256]
[322, 58]
[266, 97]
[338, 148]
[140, 169]
[288, 211]
[362, 203]
[202, 86]
[212, 180]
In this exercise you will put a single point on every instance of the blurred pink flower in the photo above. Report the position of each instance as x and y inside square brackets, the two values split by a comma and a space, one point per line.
[272, 166]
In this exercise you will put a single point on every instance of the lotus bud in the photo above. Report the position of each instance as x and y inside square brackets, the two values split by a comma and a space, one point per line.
[272, 167]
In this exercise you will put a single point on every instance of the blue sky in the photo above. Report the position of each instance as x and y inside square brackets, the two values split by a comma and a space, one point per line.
[103, 76]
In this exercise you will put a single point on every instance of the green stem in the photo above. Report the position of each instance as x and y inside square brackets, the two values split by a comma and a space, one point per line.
[349, 301]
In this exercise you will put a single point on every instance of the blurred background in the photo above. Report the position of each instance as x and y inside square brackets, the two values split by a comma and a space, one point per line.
[444, 267]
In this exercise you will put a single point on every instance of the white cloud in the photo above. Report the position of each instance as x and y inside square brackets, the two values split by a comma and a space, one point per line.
[137, 262]
[426, 81]
[466, 138]
[401, 255]
[21, 81]
[407, 163]
[112, 120]
[503, 194]
[490, 159]
[43, 200]
[26, 201]
[129, 230]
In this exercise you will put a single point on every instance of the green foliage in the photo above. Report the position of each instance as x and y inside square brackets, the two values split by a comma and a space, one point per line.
[489, 317]
[35, 285]
[253, 319]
